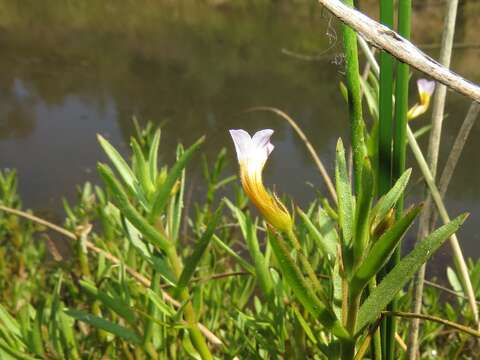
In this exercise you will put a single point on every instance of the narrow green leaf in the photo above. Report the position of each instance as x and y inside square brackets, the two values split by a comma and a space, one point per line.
[9, 322]
[344, 193]
[135, 240]
[177, 204]
[381, 251]
[160, 304]
[153, 157]
[394, 281]
[243, 263]
[192, 261]
[326, 244]
[304, 324]
[302, 290]
[162, 266]
[455, 283]
[120, 199]
[116, 304]
[120, 164]
[241, 217]
[249, 231]
[36, 334]
[19, 355]
[106, 325]
[66, 329]
[261, 265]
[163, 192]
[225, 181]
[388, 200]
[422, 131]
[362, 215]
[141, 169]
[327, 226]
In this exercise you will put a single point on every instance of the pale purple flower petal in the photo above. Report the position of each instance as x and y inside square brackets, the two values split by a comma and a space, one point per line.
[252, 152]
[262, 137]
[243, 143]
[426, 86]
[270, 148]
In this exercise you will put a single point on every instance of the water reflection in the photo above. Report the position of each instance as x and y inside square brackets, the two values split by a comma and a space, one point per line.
[71, 70]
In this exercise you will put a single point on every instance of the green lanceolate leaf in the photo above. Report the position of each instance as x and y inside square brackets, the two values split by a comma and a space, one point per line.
[304, 324]
[302, 290]
[394, 281]
[388, 200]
[115, 304]
[68, 336]
[153, 157]
[120, 164]
[14, 353]
[243, 263]
[192, 261]
[160, 304]
[261, 265]
[241, 217]
[344, 193]
[163, 192]
[141, 169]
[381, 251]
[175, 214]
[362, 216]
[106, 325]
[327, 226]
[120, 199]
[327, 244]
[7, 321]
[248, 229]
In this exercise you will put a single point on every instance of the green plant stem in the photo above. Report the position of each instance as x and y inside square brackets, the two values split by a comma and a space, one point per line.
[400, 141]
[306, 265]
[385, 106]
[377, 340]
[401, 100]
[385, 139]
[354, 100]
[196, 336]
[152, 309]
[353, 306]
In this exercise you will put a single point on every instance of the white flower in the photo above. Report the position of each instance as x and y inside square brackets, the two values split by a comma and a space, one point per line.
[252, 154]
[252, 151]
[425, 91]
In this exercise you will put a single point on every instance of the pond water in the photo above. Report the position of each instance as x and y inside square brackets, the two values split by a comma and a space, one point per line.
[70, 70]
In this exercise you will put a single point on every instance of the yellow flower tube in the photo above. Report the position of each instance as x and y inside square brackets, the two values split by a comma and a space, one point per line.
[252, 154]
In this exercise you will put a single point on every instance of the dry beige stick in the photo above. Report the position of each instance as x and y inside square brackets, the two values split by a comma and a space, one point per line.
[437, 319]
[139, 277]
[384, 38]
[401, 342]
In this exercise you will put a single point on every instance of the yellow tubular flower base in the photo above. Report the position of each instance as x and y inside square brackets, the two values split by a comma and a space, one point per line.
[269, 206]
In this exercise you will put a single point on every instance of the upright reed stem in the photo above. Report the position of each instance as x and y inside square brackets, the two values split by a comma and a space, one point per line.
[354, 100]
[385, 140]
[400, 140]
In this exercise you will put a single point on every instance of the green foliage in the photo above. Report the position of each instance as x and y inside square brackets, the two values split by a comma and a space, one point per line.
[394, 281]
[262, 294]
